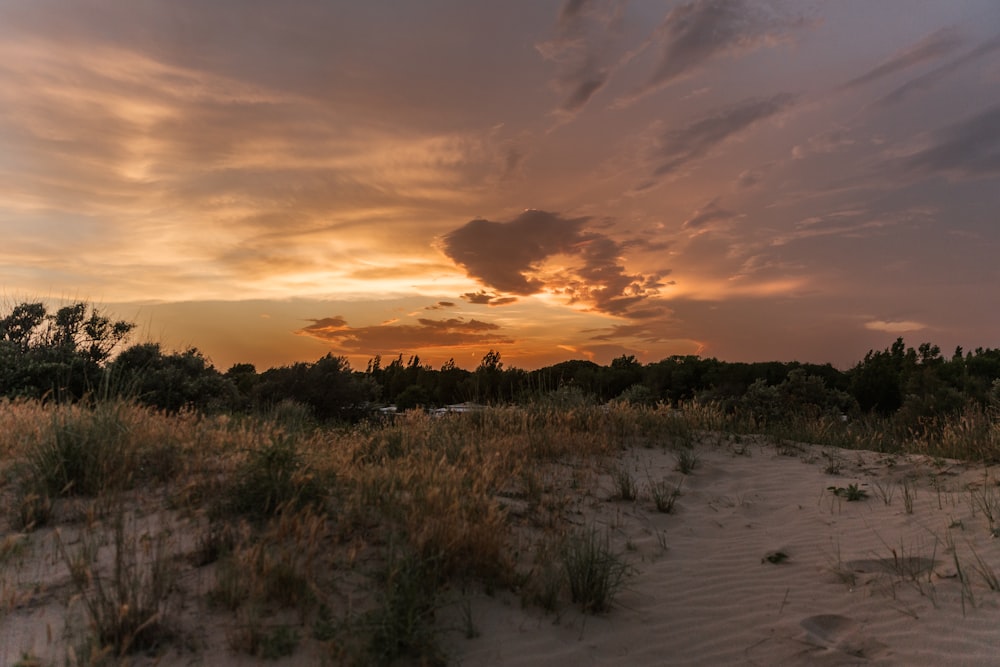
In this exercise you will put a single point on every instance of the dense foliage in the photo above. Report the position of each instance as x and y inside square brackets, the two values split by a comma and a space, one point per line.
[78, 352]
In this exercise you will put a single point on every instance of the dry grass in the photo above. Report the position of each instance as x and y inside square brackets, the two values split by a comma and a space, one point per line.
[325, 539]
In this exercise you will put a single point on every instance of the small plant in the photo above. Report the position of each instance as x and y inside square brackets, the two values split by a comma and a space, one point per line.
[83, 452]
[403, 623]
[625, 486]
[884, 492]
[774, 557]
[544, 584]
[273, 476]
[28, 660]
[909, 495]
[985, 571]
[594, 573]
[687, 461]
[126, 608]
[986, 499]
[281, 641]
[324, 628]
[665, 495]
[852, 493]
[32, 508]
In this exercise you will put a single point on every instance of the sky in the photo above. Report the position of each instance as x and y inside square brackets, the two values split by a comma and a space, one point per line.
[270, 182]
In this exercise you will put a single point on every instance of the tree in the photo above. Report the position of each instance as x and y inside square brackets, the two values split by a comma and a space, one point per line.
[61, 354]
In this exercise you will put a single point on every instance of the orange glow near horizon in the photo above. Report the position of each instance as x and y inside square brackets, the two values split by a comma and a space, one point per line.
[348, 180]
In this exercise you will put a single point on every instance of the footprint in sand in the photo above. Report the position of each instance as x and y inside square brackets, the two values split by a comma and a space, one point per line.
[839, 637]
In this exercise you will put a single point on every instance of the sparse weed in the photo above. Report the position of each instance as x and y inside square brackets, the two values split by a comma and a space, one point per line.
[909, 495]
[665, 495]
[687, 461]
[402, 626]
[625, 484]
[595, 574]
[884, 492]
[986, 499]
[126, 607]
[852, 493]
[985, 571]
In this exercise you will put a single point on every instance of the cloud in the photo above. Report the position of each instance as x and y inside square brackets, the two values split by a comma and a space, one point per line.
[969, 149]
[829, 141]
[936, 45]
[698, 32]
[484, 298]
[647, 332]
[710, 212]
[930, 78]
[582, 49]
[389, 338]
[898, 326]
[571, 10]
[440, 305]
[510, 257]
[696, 140]
[748, 178]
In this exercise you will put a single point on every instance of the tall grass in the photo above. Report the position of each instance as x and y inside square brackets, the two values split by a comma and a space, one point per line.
[410, 508]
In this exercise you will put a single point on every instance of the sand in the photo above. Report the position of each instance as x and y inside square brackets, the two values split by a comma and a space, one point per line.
[860, 582]
[762, 562]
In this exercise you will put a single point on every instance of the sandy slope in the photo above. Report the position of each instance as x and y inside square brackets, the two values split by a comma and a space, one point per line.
[865, 582]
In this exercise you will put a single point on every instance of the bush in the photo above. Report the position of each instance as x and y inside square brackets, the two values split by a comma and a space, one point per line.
[272, 477]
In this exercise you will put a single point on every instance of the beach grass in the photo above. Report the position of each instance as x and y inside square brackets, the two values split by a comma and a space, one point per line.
[278, 517]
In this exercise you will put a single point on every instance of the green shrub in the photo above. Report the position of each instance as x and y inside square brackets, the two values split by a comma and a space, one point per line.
[273, 476]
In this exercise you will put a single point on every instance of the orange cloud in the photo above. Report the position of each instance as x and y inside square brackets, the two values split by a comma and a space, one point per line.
[393, 338]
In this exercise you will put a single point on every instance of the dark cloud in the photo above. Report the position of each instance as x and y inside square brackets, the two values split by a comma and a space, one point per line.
[590, 82]
[694, 141]
[501, 253]
[936, 45]
[968, 149]
[582, 48]
[930, 78]
[748, 178]
[697, 32]
[484, 298]
[571, 9]
[391, 338]
[440, 305]
[508, 256]
[710, 212]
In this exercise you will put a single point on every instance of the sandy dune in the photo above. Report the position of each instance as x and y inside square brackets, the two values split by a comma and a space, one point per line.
[764, 561]
[864, 582]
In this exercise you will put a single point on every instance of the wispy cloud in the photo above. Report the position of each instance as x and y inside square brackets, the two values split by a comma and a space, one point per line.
[694, 141]
[894, 326]
[582, 50]
[928, 79]
[938, 44]
[969, 149]
[709, 213]
[698, 32]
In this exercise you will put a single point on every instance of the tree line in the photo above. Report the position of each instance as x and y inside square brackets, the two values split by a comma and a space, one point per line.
[78, 352]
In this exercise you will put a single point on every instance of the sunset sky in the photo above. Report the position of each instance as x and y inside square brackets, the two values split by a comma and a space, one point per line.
[271, 181]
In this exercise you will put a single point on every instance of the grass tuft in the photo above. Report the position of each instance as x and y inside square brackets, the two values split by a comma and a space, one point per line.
[595, 574]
